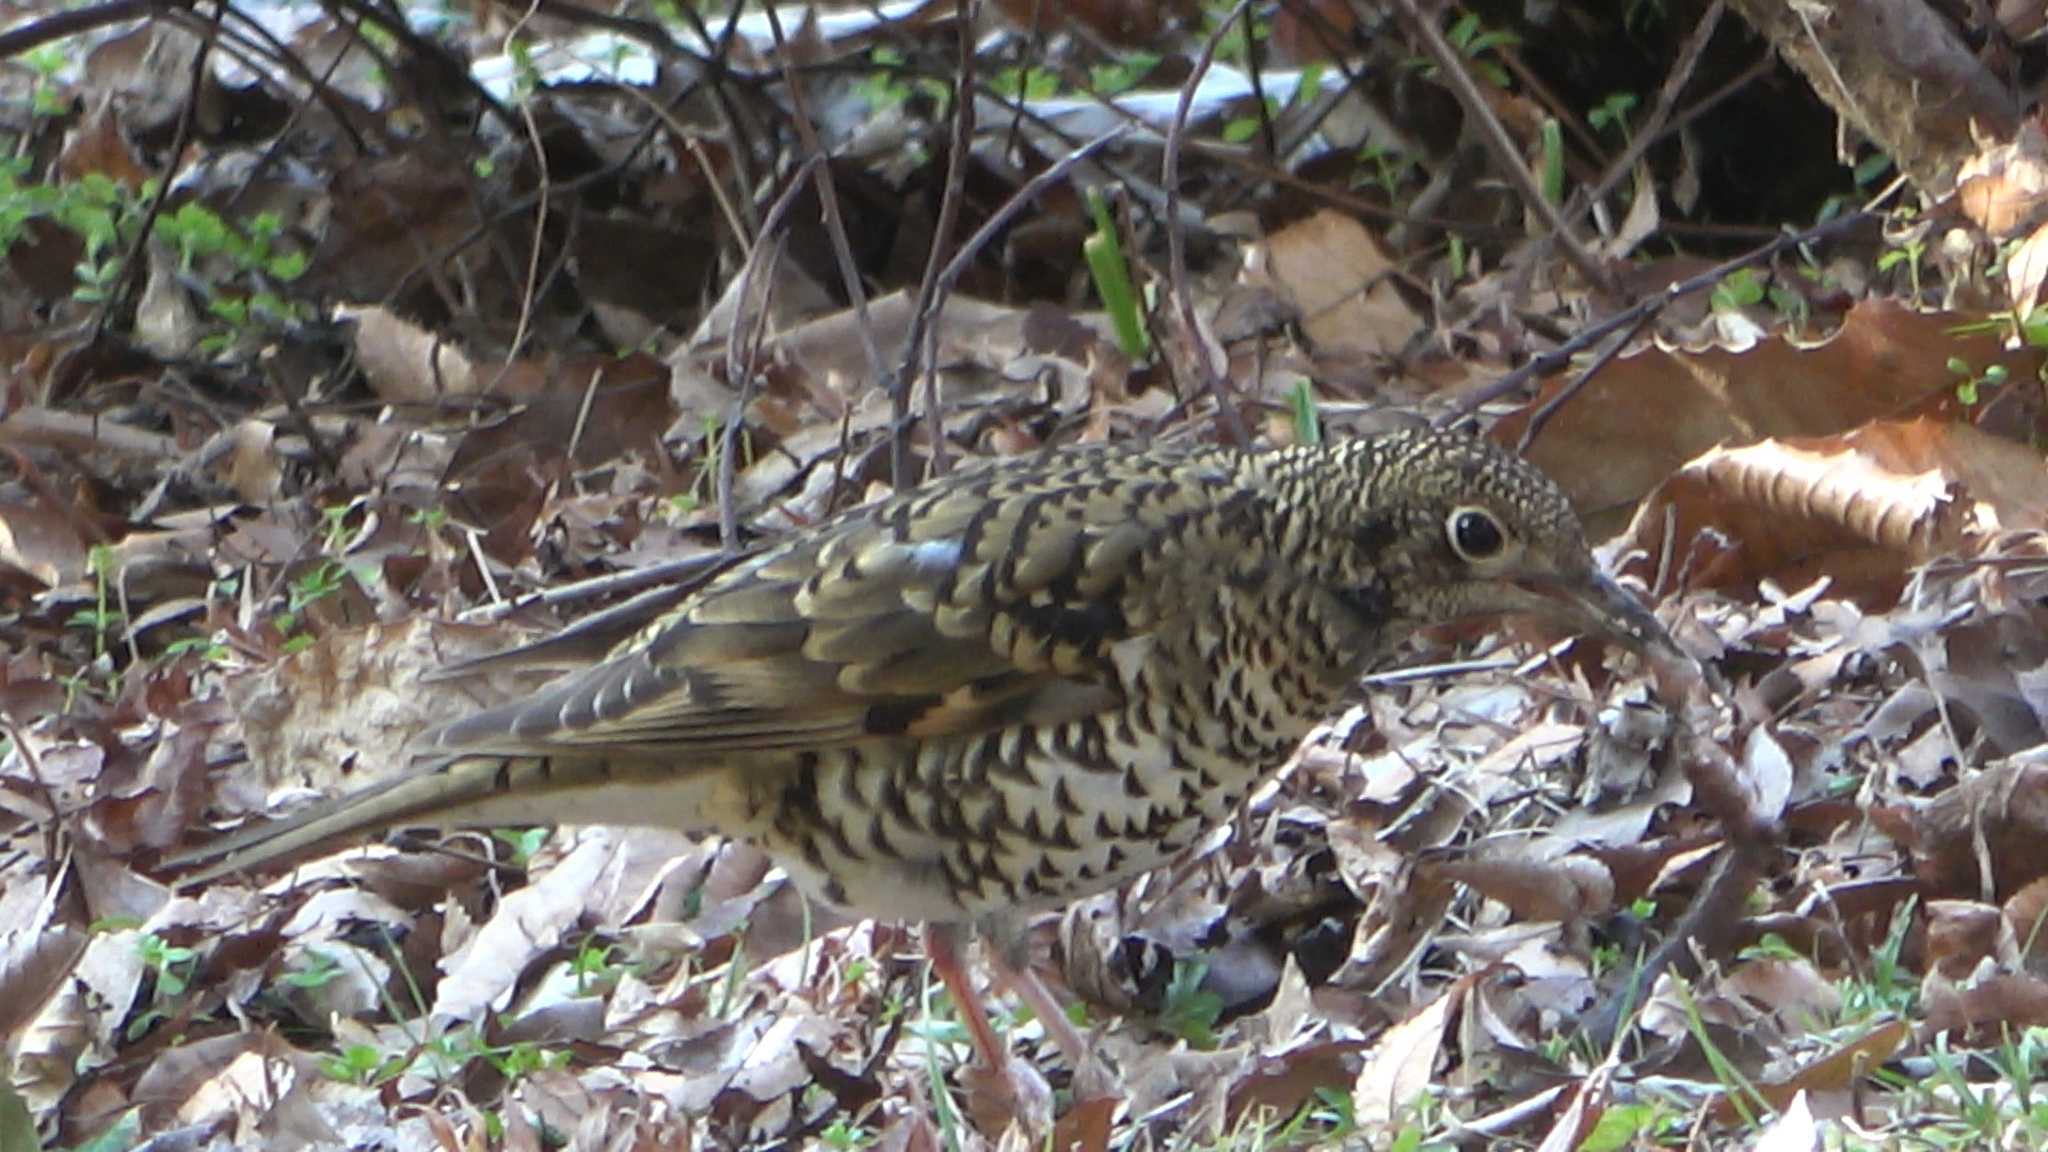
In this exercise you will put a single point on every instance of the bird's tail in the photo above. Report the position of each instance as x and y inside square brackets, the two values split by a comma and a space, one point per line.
[466, 791]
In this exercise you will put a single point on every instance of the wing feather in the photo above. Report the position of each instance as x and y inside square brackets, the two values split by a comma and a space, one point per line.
[991, 598]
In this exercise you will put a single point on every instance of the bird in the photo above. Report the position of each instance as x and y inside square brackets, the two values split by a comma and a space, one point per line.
[1018, 684]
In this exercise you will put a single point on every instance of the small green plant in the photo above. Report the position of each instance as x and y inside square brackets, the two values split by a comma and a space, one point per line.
[1308, 422]
[334, 528]
[845, 1136]
[310, 587]
[1611, 114]
[172, 966]
[1390, 168]
[1646, 1123]
[595, 968]
[364, 1065]
[1885, 988]
[1326, 1121]
[1791, 305]
[1552, 136]
[1032, 83]
[1969, 386]
[247, 250]
[1474, 41]
[432, 519]
[447, 1056]
[1739, 289]
[1104, 253]
[1908, 252]
[102, 619]
[1119, 76]
[735, 971]
[1232, 45]
[316, 969]
[523, 842]
[1191, 1011]
[1770, 947]
[102, 212]
[209, 649]
[48, 98]
[1240, 129]
[886, 86]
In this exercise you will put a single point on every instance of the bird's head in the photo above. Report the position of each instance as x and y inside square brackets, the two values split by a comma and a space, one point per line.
[1442, 527]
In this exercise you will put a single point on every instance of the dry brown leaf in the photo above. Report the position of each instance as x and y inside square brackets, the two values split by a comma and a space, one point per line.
[1341, 282]
[1535, 884]
[2004, 187]
[405, 363]
[2026, 914]
[480, 976]
[1401, 1062]
[1961, 934]
[41, 542]
[1649, 412]
[341, 710]
[1989, 1010]
[2025, 268]
[1990, 827]
[1861, 508]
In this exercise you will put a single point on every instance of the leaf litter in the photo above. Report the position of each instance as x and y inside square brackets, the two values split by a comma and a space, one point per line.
[310, 400]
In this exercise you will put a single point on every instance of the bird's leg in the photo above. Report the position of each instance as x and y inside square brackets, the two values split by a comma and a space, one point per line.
[1009, 961]
[1015, 974]
[942, 945]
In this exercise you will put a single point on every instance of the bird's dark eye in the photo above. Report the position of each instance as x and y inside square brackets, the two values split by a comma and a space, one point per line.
[1475, 534]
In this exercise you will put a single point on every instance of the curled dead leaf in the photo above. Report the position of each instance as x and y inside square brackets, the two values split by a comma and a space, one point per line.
[1861, 508]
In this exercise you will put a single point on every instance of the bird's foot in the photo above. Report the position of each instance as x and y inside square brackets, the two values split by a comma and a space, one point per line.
[1011, 1092]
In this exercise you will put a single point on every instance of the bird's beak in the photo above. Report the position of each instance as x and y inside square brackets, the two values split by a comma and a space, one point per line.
[1596, 604]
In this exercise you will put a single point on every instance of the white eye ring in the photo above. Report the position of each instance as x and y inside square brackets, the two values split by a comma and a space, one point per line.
[1475, 534]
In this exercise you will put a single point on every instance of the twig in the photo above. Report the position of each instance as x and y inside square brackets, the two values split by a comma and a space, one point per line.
[835, 225]
[258, 43]
[1608, 351]
[545, 180]
[656, 37]
[133, 261]
[666, 575]
[739, 370]
[929, 304]
[1176, 243]
[1505, 154]
[64, 25]
[1649, 307]
[1032, 189]
[1652, 128]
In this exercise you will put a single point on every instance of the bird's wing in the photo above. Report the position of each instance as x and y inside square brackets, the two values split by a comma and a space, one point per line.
[994, 597]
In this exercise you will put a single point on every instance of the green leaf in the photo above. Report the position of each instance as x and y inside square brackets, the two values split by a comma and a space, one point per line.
[1553, 160]
[1308, 424]
[1111, 273]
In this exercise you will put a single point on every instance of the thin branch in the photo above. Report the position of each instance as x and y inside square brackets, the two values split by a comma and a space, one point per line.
[929, 303]
[1505, 154]
[1176, 243]
[64, 25]
[739, 370]
[1652, 128]
[134, 261]
[1032, 189]
[1634, 315]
